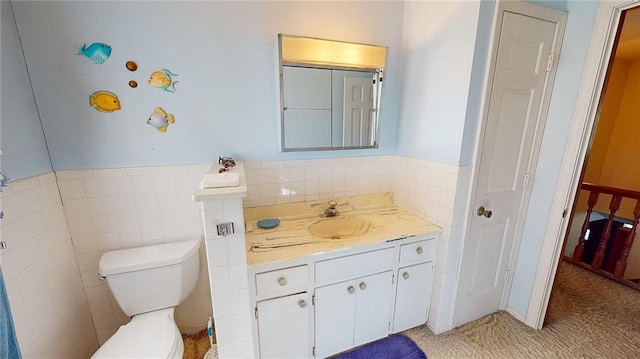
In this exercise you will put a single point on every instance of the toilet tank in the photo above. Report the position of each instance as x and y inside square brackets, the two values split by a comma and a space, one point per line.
[150, 278]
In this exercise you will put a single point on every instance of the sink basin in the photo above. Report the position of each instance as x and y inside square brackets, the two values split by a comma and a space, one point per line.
[340, 227]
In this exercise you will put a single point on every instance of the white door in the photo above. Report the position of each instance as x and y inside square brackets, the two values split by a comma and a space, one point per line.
[373, 307]
[509, 143]
[283, 324]
[334, 321]
[358, 104]
[413, 296]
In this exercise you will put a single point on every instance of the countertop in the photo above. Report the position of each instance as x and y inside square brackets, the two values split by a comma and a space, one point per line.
[291, 238]
[239, 191]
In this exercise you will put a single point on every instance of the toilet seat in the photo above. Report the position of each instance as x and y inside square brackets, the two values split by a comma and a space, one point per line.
[149, 335]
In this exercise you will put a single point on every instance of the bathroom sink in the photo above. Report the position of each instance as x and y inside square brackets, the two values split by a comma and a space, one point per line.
[340, 227]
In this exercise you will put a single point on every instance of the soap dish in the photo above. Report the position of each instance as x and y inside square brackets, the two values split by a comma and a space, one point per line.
[268, 223]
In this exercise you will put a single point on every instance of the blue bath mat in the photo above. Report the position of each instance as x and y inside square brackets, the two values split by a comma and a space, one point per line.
[392, 347]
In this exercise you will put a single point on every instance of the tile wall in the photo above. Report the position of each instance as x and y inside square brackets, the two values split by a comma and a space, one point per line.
[275, 182]
[439, 193]
[46, 295]
[109, 209]
[228, 275]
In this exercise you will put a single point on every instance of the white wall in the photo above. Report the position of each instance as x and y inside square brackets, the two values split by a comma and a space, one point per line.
[438, 48]
[570, 67]
[48, 303]
[224, 53]
[23, 145]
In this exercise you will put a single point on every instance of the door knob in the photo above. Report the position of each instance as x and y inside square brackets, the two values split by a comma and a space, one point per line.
[351, 289]
[363, 285]
[282, 281]
[484, 212]
[405, 275]
[302, 303]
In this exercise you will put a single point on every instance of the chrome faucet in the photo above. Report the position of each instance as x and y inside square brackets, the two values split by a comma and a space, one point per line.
[331, 211]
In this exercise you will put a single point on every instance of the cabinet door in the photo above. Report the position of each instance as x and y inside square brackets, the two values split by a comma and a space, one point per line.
[373, 307]
[335, 310]
[283, 327]
[413, 296]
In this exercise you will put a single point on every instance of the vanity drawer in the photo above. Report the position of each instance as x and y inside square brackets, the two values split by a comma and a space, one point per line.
[418, 251]
[354, 265]
[282, 281]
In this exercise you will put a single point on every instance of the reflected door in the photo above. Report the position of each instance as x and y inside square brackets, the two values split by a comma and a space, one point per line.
[358, 106]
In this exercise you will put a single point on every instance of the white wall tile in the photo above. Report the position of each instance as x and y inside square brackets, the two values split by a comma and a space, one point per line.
[143, 183]
[231, 303]
[109, 209]
[165, 183]
[25, 184]
[96, 187]
[71, 189]
[75, 208]
[41, 272]
[109, 172]
[73, 174]
[142, 171]
[29, 201]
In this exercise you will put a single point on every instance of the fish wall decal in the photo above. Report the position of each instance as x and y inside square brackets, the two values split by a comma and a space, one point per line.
[160, 119]
[162, 79]
[97, 52]
[104, 101]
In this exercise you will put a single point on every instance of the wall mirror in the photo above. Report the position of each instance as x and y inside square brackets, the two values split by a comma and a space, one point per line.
[330, 93]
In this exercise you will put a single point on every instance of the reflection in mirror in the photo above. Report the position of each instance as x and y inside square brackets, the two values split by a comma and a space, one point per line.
[329, 93]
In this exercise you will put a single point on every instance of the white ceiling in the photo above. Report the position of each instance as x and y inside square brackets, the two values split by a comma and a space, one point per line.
[629, 44]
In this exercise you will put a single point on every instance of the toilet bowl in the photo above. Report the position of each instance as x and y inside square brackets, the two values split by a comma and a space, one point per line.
[151, 335]
[148, 283]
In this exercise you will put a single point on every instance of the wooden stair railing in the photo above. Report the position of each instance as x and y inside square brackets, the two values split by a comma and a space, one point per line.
[617, 194]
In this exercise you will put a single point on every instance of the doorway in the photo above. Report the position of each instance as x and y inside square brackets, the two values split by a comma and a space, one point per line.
[607, 199]
[585, 113]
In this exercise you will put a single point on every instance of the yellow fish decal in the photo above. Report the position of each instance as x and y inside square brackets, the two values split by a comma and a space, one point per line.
[104, 101]
[160, 119]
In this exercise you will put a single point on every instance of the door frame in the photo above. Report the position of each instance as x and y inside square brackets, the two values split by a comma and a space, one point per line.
[584, 115]
[542, 13]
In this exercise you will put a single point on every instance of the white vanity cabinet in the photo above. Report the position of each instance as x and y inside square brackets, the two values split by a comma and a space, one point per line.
[353, 296]
[352, 313]
[283, 313]
[413, 290]
[283, 326]
[413, 296]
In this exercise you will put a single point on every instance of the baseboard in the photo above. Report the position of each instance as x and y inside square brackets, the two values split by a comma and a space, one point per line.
[515, 314]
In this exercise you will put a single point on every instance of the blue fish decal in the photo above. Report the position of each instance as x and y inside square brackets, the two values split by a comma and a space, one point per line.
[96, 52]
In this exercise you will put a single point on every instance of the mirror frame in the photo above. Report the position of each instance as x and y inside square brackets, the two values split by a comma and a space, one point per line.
[289, 56]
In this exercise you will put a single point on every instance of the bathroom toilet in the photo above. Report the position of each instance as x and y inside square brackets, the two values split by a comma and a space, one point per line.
[148, 283]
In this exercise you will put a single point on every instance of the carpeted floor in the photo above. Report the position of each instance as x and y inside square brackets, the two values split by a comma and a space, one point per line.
[589, 317]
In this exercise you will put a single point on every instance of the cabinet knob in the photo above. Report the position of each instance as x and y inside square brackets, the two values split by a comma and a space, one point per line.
[363, 285]
[405, 275]
[351, 289]
[419, 250]
[302, 303]
[282, 281]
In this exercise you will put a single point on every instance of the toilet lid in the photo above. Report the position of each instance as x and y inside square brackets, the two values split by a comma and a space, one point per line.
[148, 337]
